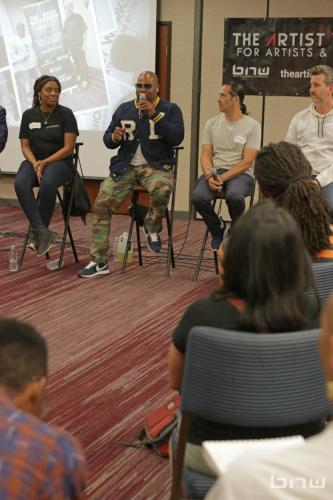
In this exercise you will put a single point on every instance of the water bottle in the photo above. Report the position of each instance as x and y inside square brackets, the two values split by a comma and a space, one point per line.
[115, 249]
[53, 265]
[13, 264]
[122, 249]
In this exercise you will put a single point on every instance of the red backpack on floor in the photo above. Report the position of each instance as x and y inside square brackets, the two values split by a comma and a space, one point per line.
[158, 426]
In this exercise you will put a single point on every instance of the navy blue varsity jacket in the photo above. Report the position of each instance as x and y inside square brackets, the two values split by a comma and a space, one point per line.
[157, 135]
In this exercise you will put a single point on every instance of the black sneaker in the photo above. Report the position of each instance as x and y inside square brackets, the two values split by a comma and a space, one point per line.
[154, 242]
[93, 269]
[45, 240]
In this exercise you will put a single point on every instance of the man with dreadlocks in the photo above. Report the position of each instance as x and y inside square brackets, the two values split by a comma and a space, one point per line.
[284, 174]
[311, 129]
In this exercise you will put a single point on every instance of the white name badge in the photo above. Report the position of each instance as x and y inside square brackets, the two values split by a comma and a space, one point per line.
[35, 125]
[240, 139]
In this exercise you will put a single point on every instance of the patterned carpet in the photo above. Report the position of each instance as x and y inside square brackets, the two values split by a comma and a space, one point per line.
[108, 340]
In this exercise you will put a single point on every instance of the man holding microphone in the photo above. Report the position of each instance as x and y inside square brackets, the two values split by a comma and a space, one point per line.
[231, 141]
[145, 130]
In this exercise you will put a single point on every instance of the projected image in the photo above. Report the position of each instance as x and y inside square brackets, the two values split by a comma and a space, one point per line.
[96, 48]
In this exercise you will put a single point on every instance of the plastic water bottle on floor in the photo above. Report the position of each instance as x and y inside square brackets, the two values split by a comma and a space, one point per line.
[13, 264]
[53, 265]
[122, 249]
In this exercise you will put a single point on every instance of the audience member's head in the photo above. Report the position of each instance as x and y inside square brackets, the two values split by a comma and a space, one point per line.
[267, 265]
[23, 365]
[285, 175]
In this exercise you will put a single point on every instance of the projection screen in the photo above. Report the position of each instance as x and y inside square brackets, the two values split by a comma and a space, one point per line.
[117, 38]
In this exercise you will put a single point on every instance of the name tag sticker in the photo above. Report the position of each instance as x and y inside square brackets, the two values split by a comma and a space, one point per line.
[35, 125]
[240, 139]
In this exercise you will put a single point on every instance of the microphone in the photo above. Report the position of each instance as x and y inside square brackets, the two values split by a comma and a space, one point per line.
[215, 177]
[141, 97]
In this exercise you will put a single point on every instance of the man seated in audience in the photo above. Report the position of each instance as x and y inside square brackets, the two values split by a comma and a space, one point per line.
[230, 144]
[303, 472]
[36, 460]
[145, 130]
[311, 129]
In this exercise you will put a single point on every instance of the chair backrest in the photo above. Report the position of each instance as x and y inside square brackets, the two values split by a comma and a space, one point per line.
[323, 277]
[254, 380]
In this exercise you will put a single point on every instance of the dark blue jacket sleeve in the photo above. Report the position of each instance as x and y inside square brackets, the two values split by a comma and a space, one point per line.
[3, 129]
[171, 126]
[107, 139]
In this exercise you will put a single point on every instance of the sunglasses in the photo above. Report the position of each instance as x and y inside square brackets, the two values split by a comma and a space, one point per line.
[143, 85]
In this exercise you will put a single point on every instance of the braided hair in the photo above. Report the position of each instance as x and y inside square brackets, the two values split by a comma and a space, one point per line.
[284, 174]
[39, 84]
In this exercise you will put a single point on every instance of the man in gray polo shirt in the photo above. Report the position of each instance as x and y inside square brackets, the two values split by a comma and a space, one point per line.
[231, 141]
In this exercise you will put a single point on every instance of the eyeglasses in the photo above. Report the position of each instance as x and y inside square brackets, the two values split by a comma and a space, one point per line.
[144, 85]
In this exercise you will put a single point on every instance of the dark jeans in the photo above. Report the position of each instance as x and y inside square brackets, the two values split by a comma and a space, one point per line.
[55, 175]
[235, 192]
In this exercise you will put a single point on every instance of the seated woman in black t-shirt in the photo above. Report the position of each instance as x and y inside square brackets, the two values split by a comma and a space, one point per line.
[266, 271]
[48, 133]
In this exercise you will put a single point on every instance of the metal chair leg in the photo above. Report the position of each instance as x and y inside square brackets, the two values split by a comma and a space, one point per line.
[200, 256]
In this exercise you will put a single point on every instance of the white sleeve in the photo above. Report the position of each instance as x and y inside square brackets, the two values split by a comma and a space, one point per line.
[326, 176]
[292, 132]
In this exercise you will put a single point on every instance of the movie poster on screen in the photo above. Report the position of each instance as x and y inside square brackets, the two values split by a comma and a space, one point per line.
[46, 30]
[273, 56]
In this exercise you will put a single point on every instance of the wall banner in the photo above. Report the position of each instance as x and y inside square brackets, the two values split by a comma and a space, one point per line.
[273, 56]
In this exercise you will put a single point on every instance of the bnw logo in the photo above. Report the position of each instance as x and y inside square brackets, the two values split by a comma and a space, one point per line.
[281, 482]
[250, 71]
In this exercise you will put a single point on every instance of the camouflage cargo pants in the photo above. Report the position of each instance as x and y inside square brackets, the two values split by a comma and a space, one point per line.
[111, 194]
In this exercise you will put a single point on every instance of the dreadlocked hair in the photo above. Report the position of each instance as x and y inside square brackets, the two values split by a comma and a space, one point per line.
[277, 169]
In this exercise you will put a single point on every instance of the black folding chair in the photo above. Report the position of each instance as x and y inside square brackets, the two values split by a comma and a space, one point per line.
[66, 212]
[218, 201]
[169, 216]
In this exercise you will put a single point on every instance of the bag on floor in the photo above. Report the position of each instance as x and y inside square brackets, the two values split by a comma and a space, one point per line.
[158, 426]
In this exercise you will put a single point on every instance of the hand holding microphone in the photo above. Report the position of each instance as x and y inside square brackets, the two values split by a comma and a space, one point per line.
[141, 97]
[213, 181]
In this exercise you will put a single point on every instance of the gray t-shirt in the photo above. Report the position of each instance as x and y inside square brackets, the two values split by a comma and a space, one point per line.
[229, 139]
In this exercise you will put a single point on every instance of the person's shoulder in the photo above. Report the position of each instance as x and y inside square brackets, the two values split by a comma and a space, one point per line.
[64, 110]
[300, 115]
[252, 121]
[30, 111]
[167, 104]
[215, 120]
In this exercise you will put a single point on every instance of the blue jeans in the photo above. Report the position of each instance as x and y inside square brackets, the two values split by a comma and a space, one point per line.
[55, 175]
[328, 193]
[235, 192]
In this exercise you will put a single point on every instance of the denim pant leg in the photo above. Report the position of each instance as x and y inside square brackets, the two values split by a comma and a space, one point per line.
[236, 189]
[202, 197]
[328, 193]
[55, 175]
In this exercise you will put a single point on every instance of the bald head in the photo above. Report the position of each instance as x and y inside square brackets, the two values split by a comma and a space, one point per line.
[147, 83]
[150, 75]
